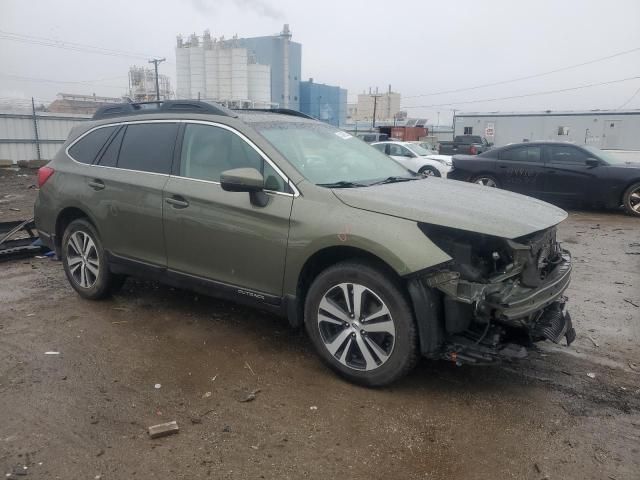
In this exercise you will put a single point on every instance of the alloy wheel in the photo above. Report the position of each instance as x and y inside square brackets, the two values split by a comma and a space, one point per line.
[486, 181]
[427, 172]
[634, 200]
[82, 259]
[356, 326]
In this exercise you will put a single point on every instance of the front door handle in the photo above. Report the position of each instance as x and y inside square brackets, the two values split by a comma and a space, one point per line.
[177, 201]
[96, 184]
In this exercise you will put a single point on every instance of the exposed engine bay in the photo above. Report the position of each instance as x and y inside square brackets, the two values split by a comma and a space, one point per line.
[499, 296]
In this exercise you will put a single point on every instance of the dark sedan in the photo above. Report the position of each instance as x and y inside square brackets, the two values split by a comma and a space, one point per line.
[559, 173]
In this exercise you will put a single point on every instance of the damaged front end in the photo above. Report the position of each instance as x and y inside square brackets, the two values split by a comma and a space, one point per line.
[499, 296]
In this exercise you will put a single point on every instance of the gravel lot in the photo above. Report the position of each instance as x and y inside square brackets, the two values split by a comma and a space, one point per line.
[84, 413]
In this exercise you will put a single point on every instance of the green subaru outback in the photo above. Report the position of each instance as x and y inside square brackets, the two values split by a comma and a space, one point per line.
[283, 212]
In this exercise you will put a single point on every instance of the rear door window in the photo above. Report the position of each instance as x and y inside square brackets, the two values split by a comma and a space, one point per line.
[148, 147]
[521, 154]
[86, 149]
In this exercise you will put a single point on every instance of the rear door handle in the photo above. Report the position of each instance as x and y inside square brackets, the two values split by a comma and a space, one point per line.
[177, 201]
[503, 166]
[96, 184]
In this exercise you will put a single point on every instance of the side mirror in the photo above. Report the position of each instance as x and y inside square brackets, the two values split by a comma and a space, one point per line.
[592, 162]
[242, 180]
[245, 180]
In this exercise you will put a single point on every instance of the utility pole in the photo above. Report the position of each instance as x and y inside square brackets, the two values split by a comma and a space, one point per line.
[35, 128]
[155, 62]
[375, 106]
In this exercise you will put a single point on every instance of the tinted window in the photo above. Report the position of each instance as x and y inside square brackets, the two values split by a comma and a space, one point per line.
[208, 151]
[566, 154]
[148, 147]
[521, 154]
[109, 156]
[87, 148]
[382, 147]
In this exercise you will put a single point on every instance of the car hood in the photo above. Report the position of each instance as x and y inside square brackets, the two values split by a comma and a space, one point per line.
[460, 205]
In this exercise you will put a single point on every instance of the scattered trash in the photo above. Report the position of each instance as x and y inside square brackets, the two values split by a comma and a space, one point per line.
[196, 420]
[31, 314]
[255, 447]
[591, 375]
[313, 407]
[121, 309]
[157, 386]
[226, 429]
[118, 323]
[100, 453]
[14, 209]
[249, 367]
[633, 366]
[213, 379]
[593, 340]
[206, 395]
[566, 373]
[537, 467]
[163, 429]
[251, 396]
[631, 302]
[52, 353]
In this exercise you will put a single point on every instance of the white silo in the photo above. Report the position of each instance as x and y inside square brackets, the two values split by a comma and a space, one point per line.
[183, 71]
[224, 73]
[239, 80]
[259, 84]
[211, 71]
[196, 62]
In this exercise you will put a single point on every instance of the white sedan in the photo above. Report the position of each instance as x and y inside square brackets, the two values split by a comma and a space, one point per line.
[415, 158]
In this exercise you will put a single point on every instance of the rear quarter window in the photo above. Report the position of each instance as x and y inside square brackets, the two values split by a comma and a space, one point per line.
[86, 149]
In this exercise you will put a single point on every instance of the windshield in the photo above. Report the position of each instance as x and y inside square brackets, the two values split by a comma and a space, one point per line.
[606, 156]
[326, 155]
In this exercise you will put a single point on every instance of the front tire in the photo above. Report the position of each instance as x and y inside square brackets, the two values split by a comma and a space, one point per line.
[85, 262]
[428, 171]
[361, 324]
[631, 200]
[486, 180]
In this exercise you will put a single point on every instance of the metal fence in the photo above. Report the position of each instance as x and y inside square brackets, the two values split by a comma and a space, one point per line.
[29, 136]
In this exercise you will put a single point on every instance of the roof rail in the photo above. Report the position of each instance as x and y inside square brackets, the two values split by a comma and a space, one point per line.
[176, 106]
[283, 111]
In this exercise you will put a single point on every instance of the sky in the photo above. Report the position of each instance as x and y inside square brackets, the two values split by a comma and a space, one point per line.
[423, 49]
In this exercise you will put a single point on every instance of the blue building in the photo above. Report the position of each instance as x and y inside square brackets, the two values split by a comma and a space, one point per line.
[285, 58]
[324, 102]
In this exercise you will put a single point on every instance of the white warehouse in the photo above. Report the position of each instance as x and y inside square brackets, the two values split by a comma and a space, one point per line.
[607, 129]
[221, 70]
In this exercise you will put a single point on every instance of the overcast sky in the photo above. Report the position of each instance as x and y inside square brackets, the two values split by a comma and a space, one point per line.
[419, 47]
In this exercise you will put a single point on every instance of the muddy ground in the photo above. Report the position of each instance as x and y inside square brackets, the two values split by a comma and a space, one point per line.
[83, 414]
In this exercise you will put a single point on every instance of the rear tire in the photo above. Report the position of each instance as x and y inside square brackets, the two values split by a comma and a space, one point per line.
[85, 262]
[486, 180]
[371, 341]
[428, 171]
[631, 200]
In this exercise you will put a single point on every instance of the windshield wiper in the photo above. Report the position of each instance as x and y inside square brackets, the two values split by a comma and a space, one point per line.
[342, 184]
[396, 179]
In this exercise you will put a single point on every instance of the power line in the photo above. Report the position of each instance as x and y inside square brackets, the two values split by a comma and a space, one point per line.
[518, 79]
[524, 95]
[73, 46]
[630, 98]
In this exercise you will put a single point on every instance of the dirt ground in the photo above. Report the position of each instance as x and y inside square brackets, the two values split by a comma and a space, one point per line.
[563, 413]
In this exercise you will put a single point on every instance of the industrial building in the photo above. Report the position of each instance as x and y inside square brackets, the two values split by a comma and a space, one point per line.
[81, 104]
[324, 102]
[607, 129]
[386, 106]
[243, 72]
[142, 85]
